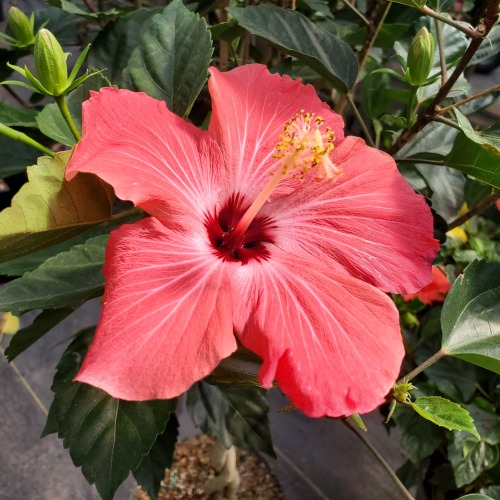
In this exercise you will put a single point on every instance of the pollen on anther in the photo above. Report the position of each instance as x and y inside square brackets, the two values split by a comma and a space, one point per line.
[305, 144]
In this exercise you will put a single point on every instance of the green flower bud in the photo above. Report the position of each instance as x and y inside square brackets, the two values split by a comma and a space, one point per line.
[22, 27]
[420, 58]
[50, 63]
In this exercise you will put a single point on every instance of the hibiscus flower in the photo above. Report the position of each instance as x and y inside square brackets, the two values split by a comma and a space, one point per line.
[435, 291]
[270, 227]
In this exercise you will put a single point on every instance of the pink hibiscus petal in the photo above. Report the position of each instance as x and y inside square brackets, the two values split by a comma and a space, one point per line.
[368, 222]
[434, 291]
[250, 107]
[150, 156]
[332, 342]
[166, 319]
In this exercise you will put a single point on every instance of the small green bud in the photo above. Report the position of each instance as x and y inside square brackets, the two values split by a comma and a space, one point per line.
[22, 27]
[50, 63]
[420, 58]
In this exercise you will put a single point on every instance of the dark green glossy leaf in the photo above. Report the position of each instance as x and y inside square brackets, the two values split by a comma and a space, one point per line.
[106, 437]
[26, 337]
[476, 496]
[472, 159]
[50, 120]
[66, 280]
[15, 156]
[486, 420]
[489, 48]
[445, 413]
[470, 458]
[172, 59]
[471, 316]
[26, 263]
[419, 437]
[17, 117]
[236, 415]
[488, 139]
[63, 25]
[239, 369]
[113, 47]
[151, 470]
[293, 33]
[475, 192]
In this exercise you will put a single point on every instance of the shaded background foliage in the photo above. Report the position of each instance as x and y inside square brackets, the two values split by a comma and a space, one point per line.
[356, 54]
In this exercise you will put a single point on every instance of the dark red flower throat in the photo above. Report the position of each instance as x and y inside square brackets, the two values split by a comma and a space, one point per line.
[231, 245]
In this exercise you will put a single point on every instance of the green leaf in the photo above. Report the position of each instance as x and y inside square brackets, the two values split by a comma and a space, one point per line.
[416, 4]
[486, 420]
[472, 159]
[106, 437]
[17, 117]
[172, 59]
[488, 139]
[236, 416]
[419, 437]
[51, 121]
[475, 496]
[17, 267]
[445, 413]
[151, 470]
[26, 337]
[63, 25]
[293, 33]
[470, 458]
[15, 156]
[48, 209]
[489, 48]
[239, 369]
[114, 45]
[66, 280]
[471, 317]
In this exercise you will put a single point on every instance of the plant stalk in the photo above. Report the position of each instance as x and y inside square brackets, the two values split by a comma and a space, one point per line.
[427, 115]
[468, 30]
[420, 368]
[419, 160]
[368, 137]
[63, 108]
[475, 210]
[22, 137]
[442, 56]
[469, 99]
[360, 434]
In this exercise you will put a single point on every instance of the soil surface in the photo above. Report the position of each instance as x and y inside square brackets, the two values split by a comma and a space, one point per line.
[192, 468]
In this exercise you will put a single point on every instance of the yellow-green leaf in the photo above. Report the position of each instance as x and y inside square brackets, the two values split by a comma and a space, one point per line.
[48, 209]
[445, 413]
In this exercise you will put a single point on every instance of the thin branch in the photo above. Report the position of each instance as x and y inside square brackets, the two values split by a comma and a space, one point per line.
[360, 434]
[447, 121]
[371, 38]
[464, 28]
[469, 99]
[428, 114]
[368, 137]
[475, 210]
[442, 56]
[420, 368]
[15, 96]
[90, 6]
[356, 11]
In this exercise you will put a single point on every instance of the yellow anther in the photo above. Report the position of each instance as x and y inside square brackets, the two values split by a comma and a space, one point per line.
[306, 143]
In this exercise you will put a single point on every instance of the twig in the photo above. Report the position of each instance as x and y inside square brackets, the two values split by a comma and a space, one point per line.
[420, 368]
[356, 11]
[368, 137]
[468, 30]
[469, 99]
[90, 6]
[442, 57]
[371, 38]
[360, 434]
[428, 114]
[447, 121]
[15, 96]
[475, 210]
